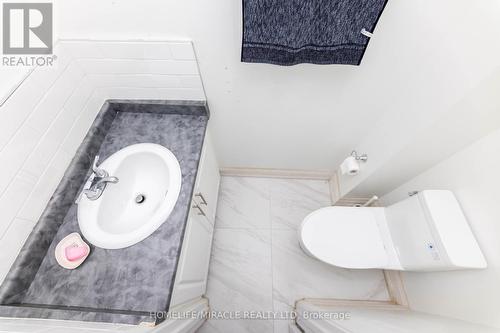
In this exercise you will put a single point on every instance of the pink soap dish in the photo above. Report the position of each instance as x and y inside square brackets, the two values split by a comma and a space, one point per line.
[71, 241]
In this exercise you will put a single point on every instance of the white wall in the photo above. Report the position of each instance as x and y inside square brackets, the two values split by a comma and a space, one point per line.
[471, 295]
[425, 55]
[455, 102]
[395, 158]
[44, 121]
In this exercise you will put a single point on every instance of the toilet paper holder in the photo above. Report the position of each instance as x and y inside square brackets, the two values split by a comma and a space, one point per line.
[363, 157]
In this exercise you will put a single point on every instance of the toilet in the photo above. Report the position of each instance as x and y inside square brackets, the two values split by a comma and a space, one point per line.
[425, 232]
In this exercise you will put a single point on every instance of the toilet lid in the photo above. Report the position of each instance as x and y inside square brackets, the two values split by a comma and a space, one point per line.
[344, 236]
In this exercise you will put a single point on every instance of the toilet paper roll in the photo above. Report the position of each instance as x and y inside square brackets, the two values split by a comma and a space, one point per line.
[350, 166]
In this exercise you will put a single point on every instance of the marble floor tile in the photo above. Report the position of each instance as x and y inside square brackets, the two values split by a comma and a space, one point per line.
[257, 263]
[243, 203]
[297, 276]
[237, 326]
[284, 316]
[292, 200]
[240, 278]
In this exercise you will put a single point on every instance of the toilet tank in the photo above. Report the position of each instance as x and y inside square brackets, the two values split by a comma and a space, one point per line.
[430, 233]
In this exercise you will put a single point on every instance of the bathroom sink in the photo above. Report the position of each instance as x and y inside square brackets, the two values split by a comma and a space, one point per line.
[149, 182]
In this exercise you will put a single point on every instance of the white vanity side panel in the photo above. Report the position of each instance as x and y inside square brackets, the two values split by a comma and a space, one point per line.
[208, 180]
[192, 270]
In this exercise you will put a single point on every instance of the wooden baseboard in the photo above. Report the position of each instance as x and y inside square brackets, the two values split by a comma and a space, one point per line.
[277, 173]
[335, 188]
[396, 288]
[345, 302]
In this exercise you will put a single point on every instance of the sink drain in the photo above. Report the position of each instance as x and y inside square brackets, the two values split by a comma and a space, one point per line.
[140, 199]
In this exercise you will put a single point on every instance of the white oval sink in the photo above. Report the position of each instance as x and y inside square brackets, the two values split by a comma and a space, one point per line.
[116, 219]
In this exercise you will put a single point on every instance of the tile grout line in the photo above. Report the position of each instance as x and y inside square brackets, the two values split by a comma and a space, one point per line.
[272, 252]
[272, 202]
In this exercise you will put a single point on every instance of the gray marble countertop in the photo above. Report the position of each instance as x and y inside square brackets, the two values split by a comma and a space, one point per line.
[125, 285]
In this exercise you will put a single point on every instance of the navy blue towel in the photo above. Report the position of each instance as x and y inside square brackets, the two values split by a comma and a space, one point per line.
[289, 32]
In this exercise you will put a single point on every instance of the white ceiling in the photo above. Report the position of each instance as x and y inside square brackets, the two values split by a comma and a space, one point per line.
[424, 56]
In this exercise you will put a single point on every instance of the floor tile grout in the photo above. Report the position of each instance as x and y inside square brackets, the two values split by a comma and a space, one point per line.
[272, 258]
[266, 220]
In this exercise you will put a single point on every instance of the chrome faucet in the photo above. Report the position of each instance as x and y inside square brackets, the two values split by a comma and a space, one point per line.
[101, 179]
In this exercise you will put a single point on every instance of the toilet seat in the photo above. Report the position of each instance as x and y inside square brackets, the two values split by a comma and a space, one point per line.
[345, 236]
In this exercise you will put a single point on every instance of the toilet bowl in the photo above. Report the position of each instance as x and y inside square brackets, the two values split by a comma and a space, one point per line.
[349, 237]
[425, 232]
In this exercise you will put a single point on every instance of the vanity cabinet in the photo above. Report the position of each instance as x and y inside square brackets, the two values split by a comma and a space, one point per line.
[207, 182]
[192, 270]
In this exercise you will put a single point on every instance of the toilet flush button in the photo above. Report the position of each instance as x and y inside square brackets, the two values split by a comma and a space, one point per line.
[434, 253]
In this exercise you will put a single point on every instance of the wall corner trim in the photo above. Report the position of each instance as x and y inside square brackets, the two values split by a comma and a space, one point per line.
[276, 173]
[395, 286]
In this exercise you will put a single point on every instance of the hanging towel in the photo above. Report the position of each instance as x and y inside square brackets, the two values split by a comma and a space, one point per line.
[289, 32]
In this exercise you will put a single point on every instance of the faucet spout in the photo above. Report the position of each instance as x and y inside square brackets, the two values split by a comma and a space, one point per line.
[110, 179]
[95, 191]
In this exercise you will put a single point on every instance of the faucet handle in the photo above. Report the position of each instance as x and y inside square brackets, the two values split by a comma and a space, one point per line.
[99, 172]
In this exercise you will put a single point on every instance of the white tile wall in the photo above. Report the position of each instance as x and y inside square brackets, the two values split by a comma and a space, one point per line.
[11, 202]
[55, 98]
[136, 80]
[182, 51]
[17, 108]
[83, 122]
[15, 153]
[44, 121]
[158, 93]
[13, 240]
[47, 182]
[148, 50]
[134, 66]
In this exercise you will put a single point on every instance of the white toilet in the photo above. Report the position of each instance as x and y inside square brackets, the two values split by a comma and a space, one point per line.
[425, 232]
